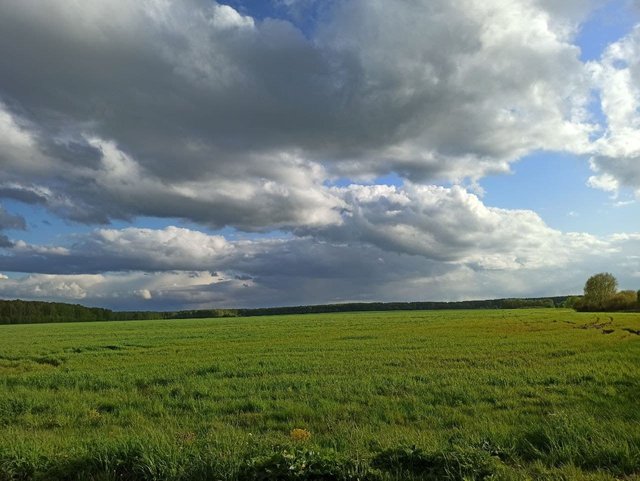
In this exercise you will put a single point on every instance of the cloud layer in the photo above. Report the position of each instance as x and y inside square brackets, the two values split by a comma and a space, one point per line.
[393, 244]
[302, 270]
[196, 111]
[439, 224]
[190, 109]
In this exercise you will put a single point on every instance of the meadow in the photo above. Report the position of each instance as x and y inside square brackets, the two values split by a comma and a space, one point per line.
[405, 395]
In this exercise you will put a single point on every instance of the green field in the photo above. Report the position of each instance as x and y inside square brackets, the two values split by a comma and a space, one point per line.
[503, 394]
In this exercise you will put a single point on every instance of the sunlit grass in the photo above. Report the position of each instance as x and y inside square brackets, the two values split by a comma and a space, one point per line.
[529, 392]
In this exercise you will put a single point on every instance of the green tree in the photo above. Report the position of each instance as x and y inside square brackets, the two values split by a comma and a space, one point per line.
[572, 301]
[599, 288]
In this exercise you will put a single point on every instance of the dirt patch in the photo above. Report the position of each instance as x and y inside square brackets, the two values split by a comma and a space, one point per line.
[632, 331]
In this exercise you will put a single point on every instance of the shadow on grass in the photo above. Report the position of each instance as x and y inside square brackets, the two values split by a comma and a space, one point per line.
[450, 465]
[135, 460]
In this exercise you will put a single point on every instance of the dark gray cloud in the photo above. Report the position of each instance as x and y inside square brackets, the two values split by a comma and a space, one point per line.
[22, 193]
[5, 241]
[11, 221]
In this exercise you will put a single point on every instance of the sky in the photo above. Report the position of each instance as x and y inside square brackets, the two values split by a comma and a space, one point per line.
[185, 154]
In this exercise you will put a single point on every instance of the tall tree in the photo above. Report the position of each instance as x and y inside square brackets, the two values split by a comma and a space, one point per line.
[599, 288]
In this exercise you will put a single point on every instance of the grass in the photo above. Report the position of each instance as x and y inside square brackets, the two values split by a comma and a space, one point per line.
[458, 395]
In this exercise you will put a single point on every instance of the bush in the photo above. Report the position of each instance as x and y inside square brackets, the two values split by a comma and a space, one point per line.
[572, 301]
[307, 465]
[621, 301]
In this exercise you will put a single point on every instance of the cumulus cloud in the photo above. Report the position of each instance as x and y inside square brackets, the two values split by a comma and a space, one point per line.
[453, 91]
[120, 290]
[616, 163]
[440, 224]
[145, 294]
[452, 225]
[206, 114]
[130, 249]
[47, 287]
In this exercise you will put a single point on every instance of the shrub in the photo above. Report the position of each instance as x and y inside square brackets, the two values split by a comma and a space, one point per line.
[621, 301]
[305, 465]
[572, 301]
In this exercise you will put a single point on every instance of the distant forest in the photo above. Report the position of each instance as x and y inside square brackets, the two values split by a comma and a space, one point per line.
[31, 312]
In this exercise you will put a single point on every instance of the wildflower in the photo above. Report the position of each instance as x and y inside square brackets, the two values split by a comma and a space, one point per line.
[298, 434]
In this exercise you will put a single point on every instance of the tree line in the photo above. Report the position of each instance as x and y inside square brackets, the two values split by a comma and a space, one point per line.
[33, 312]
[27, 312]
[601, 294]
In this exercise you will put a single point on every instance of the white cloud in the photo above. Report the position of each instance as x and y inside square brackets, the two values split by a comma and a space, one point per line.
[48, 287]
[22, 247]
[606, 182]
[452, 225]
[171, 247]
[133, 249]
[144, 293]
[616, 162]
[18, 146]
[225, 16]
[463, 89]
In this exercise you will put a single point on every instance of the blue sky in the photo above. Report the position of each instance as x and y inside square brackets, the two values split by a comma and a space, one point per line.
[554, 186]
[348, 150]
[605, 25]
